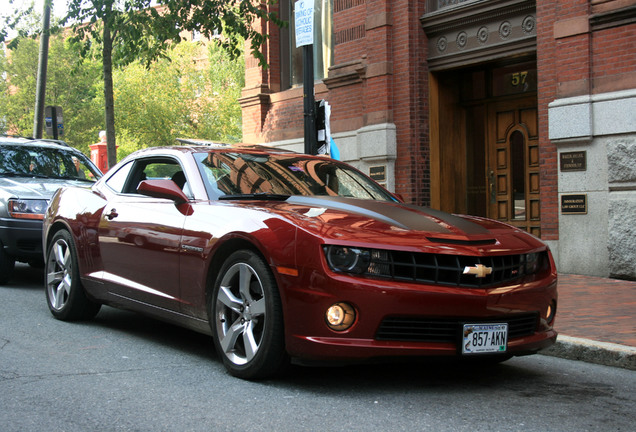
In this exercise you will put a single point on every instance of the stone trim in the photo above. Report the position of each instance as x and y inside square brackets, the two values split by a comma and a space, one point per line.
[592, 115]
[480, 31]
[613, 18]
[345, 74]
[379, 20]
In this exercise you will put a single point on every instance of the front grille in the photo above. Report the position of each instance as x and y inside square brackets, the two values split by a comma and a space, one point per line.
[441, 269]
[447, 330]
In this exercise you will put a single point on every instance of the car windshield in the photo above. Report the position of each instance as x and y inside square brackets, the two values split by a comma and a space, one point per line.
[261, 175]
[34, 161]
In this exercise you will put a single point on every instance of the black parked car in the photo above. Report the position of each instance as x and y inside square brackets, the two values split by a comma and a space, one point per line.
[30, 172]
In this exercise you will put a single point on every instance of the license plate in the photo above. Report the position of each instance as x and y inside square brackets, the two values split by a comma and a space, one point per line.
[485, 338]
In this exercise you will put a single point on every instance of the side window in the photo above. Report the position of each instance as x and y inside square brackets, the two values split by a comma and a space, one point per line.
[128, 177]
[117, 181]
[161, 170]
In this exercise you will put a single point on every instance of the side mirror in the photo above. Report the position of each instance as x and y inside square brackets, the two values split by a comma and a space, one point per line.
[162, 189]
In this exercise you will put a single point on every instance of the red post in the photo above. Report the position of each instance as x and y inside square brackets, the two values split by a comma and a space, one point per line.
[99, 153]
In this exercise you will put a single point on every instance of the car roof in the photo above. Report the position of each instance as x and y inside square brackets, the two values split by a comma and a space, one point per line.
[198, 146]
[34, 142]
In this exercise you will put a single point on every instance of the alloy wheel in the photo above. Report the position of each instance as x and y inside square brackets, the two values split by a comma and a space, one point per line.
[59, 274]
[240, 313]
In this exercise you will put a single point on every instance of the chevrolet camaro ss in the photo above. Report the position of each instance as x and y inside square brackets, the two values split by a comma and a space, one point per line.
[282, 257]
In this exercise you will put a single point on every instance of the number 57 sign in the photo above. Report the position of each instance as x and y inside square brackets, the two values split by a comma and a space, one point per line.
[304, 22]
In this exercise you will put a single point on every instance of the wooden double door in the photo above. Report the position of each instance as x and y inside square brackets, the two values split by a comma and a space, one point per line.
[485, 159]
[512, 164]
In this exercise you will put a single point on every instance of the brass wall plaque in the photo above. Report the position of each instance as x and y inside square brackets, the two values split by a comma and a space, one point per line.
[573, 161]
[574, 204]
[378, 173]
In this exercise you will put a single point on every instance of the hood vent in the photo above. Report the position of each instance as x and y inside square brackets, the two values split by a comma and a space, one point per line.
[480, 242]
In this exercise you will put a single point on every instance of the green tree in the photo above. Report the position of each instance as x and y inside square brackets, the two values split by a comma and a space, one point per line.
[227, 79]
[4, 91]
[20, 73]
[73, 83]
[178, 97]
[120, 32]
[131, 30]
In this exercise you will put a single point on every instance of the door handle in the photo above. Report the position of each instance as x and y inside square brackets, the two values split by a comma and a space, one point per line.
[112, 215]
[491, 187]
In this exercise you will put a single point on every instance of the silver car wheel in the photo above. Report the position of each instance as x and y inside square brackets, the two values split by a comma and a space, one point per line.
[240, 313]
[65, 294]
[59, 271]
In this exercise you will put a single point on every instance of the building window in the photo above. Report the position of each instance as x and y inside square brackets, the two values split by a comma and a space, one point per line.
[292, 57]
[436, 5]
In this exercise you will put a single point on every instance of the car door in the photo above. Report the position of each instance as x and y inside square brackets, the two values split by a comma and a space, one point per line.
[139, 239]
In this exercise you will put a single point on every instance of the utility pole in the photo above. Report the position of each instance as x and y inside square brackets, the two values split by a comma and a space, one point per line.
[304, 31]
[309, 100]
[38, 116]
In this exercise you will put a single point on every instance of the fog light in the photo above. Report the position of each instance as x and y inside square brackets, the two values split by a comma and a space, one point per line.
[340, 316]
[551, 312]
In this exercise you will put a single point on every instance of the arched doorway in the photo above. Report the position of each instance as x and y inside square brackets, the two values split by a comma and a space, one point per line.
[484, 143]
[513, 164]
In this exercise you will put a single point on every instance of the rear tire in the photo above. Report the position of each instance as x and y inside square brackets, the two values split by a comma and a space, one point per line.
[246, 318]
[65, 294]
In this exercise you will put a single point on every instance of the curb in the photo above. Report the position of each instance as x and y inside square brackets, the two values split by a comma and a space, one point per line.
[603, 353]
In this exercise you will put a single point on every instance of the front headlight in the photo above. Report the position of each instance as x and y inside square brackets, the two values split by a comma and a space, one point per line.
[27, 208]
[348, 259]
[532, 263]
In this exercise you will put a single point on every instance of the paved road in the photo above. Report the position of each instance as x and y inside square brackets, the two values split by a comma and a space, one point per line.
[124, 372]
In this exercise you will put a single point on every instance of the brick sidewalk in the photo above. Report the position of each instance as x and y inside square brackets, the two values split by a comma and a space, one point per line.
[596, 308]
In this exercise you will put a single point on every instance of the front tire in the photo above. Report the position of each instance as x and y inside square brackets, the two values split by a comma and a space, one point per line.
[65, 294]
[246, 317]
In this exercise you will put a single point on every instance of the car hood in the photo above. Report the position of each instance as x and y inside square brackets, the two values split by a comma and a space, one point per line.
[377, 222]
[33, 187]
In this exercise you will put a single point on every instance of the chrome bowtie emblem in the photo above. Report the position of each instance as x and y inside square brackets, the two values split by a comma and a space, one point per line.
[479, 270]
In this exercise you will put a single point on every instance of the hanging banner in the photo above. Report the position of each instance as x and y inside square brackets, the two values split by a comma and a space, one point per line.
[304, 22]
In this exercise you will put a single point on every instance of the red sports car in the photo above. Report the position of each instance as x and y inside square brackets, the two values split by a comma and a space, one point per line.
[282, 256]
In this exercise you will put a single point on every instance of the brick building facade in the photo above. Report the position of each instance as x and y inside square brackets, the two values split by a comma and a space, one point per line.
[522, 111]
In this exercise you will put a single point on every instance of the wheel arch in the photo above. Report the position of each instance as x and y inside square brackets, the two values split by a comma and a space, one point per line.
[271, 355]
[221, 254]
[57, 226]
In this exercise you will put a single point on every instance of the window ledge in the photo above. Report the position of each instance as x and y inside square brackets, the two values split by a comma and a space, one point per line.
[346, 74]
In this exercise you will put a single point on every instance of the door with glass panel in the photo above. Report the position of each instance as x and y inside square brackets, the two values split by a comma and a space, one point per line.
[512, 164]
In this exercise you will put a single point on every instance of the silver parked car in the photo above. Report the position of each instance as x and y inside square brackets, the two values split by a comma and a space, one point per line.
[30, 173]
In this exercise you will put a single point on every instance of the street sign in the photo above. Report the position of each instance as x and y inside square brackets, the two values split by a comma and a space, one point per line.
[54, 121]
[304, 22]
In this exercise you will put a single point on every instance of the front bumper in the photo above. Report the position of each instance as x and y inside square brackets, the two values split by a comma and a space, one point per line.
[309, 338]
[21, 238]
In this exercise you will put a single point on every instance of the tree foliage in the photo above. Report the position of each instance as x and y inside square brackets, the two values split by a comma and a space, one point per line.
[193, 92]
[22, 22]
[120, 32]
[73, 84]
[236, 20]
[178, 97]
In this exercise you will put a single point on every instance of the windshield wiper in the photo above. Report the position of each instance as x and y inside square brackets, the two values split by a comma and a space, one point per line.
[255, 196]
